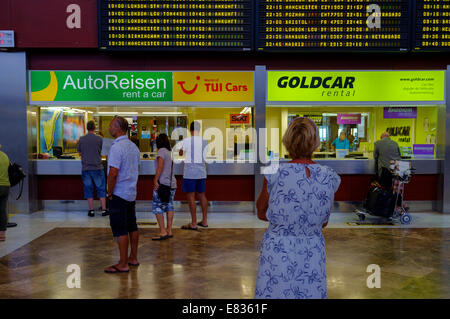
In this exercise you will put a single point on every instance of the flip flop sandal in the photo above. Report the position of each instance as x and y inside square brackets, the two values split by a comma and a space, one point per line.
[160, 238]
[134, 265]
[188, 227]
[201, 225]
[117, 270]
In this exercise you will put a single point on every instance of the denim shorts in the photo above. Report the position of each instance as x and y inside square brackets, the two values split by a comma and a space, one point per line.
[122, 216]
[91, 178]
[160, 208]
[194, 185]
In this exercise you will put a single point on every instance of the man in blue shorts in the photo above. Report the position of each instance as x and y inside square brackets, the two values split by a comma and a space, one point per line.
[194, 177]
[90, 147]
[123, 172]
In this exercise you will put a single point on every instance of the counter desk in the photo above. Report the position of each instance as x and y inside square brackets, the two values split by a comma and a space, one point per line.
[61, 180]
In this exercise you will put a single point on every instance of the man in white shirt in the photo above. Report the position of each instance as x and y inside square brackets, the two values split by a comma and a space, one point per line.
[194, 177]
[123, 173]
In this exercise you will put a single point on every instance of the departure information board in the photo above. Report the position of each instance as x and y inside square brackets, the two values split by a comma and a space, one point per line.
[432, 25]
[176, 24]
[332, 25]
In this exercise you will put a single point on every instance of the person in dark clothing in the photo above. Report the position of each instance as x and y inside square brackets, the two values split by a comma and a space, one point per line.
[386, 150]
[4, 192]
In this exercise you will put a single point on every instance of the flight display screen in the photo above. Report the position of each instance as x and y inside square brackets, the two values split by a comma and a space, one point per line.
[176, 24]
[432, 25]
[333, 25]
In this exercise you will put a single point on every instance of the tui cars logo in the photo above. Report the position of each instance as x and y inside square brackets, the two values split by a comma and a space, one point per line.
[213, 86]
[189, 92]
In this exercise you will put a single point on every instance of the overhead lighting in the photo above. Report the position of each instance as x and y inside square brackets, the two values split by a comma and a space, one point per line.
[162, 113]
[118, 113]
[83, 111]
[60, 108]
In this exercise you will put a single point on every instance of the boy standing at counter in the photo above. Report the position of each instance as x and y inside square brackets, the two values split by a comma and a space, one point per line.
[90, 150]
[194, 177]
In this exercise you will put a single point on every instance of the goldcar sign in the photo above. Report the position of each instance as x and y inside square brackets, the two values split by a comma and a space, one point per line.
[355, 86]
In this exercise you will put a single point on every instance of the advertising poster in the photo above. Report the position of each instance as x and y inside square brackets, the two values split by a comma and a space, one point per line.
[73, 129]
[51, 127]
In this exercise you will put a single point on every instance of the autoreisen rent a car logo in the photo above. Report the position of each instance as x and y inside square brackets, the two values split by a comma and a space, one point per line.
[330, 85]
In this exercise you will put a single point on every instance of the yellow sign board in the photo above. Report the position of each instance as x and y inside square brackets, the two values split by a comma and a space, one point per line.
[355, 86]
[213, 86]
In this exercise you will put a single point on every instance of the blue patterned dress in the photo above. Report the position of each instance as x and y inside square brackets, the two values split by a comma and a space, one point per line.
[292, 261]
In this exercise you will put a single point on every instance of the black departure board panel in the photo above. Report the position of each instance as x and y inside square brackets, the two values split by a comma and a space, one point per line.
[432, 25]
[176, 24]
[331, 25]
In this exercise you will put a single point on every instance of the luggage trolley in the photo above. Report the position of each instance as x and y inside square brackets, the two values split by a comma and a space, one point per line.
[389, 206]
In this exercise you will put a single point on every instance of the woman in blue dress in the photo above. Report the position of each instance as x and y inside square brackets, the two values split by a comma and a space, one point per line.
[296, 201]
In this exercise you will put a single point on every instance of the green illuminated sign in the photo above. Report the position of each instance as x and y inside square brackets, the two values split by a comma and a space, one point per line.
[355, 86]
[66, 86]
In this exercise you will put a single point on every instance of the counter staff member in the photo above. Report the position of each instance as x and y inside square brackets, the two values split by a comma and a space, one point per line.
[385, 151]
[123, 172]
[341, 142]
[90, 150]
[194, 176]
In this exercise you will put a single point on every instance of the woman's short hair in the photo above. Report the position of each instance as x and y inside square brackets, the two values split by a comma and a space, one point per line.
[162, 141]
[301, 138]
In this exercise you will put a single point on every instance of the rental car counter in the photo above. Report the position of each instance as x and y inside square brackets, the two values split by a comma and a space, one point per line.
[153, 103]
[409, 105]
[233, 107]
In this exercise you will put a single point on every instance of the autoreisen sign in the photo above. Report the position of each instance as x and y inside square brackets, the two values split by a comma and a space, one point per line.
[67, 86]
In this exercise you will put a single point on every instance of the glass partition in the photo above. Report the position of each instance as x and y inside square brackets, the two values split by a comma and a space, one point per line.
[357, 128]
[229, 130]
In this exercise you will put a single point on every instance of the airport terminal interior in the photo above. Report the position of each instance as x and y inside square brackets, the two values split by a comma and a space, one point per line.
[221, 261]
[308, 109]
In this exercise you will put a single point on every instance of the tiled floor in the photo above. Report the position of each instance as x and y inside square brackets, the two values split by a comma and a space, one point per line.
[32, 226]
[218, 262]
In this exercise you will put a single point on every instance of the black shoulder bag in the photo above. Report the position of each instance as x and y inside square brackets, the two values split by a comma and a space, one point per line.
[16, 176]
[164, 190]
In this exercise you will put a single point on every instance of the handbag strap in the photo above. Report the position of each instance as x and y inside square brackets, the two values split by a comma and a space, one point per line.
[171, 171]
[21, 190]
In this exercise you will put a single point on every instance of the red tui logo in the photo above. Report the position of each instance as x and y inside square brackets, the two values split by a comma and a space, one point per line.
[186, 91]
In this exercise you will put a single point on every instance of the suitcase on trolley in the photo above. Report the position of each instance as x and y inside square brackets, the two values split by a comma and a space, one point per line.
[379, 202]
